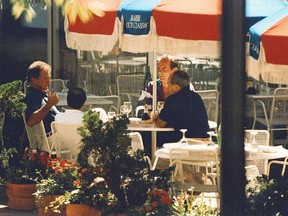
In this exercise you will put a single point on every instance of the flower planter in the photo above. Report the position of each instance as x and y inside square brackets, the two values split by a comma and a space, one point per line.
[81, 210]
[42, 203]
[20, 196]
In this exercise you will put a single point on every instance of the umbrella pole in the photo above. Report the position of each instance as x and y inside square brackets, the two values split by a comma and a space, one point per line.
[154, 101]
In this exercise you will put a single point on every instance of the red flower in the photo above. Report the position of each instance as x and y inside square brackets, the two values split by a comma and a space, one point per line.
[166, 200]
[154, 204]
[85, 170]
[148, 208]
[76, 183]
[158, 193]
[32, 157]
[62, 164]
[56, 170]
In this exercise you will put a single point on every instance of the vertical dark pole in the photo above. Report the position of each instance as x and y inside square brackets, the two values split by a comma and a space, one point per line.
[233, 101]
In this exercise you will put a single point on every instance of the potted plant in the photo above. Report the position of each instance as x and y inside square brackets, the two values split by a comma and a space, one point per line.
[10, 107]
[61, 177]
[111, 179]
[21, 181]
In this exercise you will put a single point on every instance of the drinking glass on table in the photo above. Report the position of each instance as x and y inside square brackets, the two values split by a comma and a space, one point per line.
[123, 110]
[184, 139]
[128, 106]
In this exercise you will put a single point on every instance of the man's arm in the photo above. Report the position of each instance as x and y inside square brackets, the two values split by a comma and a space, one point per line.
[159, 122]
[40, 114]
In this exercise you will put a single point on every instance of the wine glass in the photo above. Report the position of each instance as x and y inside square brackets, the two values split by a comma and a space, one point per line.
[123, 110]
[160, 105]
[128, 107]
[183, 140]
[254, 144]
[85, 88]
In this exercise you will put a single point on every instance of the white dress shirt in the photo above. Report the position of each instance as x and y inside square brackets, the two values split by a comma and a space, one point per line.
[70, 116]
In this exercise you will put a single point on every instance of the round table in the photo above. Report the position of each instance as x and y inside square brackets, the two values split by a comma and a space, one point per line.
[141, 126]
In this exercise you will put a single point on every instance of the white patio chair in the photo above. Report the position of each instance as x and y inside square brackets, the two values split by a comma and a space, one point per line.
[210, 99]
[137, 143]
[196, 157]
[102, 113]
[129, 88]
[275, 116]
[37, 135]
[262, 137]
[283, 163]
[66, 141]
[116, 102]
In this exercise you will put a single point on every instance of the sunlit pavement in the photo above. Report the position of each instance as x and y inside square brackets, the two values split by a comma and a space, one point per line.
[5, 211]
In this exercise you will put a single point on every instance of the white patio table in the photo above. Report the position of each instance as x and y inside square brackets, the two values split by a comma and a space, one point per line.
[262, 153]
[138, 125]
[141, 126]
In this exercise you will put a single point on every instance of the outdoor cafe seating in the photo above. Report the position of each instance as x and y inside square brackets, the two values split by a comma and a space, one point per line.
[272, 111]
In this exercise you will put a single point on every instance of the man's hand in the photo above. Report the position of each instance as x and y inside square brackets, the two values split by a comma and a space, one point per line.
[53, 99]
[40, 114]
[158, 122]
[154, 117]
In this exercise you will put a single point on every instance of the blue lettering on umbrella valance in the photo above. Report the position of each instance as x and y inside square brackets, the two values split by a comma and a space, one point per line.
[136, 15]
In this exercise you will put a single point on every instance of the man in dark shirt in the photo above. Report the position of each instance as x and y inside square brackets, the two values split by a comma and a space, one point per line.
[166, 66]
[183, 109]
[40, 102]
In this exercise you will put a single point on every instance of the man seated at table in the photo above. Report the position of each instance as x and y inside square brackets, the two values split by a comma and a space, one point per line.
[166, 67]
[183, 109]
[76, 98]
[40, 101]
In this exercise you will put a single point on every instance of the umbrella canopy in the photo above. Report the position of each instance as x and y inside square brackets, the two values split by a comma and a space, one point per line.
[164, 26]
[268, 47]
[188, 27]
[256, 10]
[174, 27]
[98, 33]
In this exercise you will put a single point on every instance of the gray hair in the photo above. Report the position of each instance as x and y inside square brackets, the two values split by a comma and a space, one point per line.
[180, 78]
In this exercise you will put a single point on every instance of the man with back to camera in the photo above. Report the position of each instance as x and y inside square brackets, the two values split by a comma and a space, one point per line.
[183, 109]
[76, 98]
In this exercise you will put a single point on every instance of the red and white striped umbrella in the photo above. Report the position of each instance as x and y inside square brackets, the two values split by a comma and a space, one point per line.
[189, 27]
